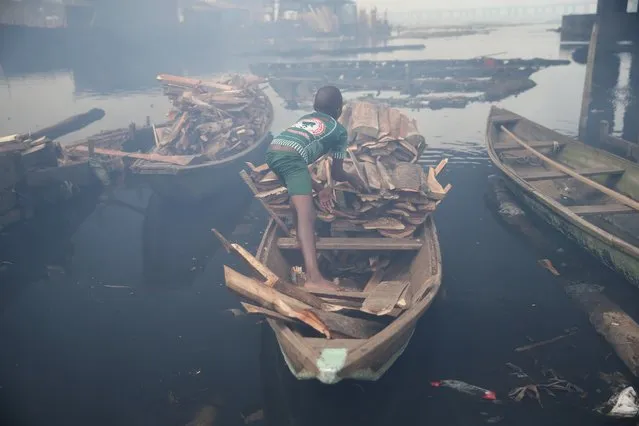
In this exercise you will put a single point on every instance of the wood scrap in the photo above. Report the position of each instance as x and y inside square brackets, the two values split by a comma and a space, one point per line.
[323, 322]
[384, 297]
[385, 223]
[271, 299]
[252, 309]
[270, 277]
[372, 176]
[364, 119]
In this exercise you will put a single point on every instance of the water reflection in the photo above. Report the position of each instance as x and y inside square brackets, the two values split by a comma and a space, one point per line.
[22, 262]
[177, 239]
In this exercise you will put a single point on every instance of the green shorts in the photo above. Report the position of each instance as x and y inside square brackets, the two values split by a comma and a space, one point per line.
[292, 170]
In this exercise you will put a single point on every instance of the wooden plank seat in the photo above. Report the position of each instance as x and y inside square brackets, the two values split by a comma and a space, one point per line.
[335, 243]
[600, 209]
[534, 144]
[555, 174]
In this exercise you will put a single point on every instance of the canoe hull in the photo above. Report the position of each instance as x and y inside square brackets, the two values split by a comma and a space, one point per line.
[626, 265]
[612, 248]
[201, 182]
[330, 375]
[368, 359]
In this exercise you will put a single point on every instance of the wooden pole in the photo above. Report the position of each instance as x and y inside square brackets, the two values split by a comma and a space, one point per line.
[552, 163]
[180, 160]
[587, 93]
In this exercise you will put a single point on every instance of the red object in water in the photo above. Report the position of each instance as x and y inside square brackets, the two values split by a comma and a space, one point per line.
[466, 388]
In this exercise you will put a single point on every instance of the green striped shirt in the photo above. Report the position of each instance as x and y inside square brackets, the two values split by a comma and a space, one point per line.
[314, 135]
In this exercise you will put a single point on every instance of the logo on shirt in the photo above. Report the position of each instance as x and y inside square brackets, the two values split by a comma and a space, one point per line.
[314, 126]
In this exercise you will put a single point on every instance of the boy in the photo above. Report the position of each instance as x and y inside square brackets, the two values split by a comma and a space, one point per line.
[288, 157]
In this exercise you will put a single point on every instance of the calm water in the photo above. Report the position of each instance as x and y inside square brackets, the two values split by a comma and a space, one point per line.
[160, 346]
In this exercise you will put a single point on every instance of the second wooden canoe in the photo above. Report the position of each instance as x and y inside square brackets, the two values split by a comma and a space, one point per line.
[599, 222]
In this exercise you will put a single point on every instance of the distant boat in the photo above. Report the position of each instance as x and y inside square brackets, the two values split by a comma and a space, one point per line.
[602, 218]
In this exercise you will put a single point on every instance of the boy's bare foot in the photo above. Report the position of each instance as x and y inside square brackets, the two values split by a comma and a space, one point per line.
[321, 285]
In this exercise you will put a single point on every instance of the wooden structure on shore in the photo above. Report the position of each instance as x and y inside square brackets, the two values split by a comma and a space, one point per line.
[485, 79]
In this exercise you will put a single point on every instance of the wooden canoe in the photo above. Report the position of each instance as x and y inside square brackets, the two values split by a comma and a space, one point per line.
[332, 360]
[600, 217]
[200, 181]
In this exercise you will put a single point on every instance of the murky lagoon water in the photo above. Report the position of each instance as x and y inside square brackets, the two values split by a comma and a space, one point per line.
[160, 345]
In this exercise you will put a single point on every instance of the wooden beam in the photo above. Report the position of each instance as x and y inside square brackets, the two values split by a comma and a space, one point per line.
[384, 297]
[587, 92]
[600, 209]
[553, 174]
[513, 147]
[270, 277]
[356, 244]
[180, 160]
[552, 163]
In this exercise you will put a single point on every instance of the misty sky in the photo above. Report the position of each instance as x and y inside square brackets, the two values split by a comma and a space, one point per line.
[447, 4]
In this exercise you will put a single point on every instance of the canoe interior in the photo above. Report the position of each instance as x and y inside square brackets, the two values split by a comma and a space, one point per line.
[367, 358]
[589, 203]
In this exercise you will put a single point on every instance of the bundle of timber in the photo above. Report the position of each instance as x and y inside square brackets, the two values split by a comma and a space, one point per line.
[384, 148]
[215, 120]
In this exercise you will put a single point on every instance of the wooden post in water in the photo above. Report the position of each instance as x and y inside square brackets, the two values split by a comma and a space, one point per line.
[587, 93]
[604, 131]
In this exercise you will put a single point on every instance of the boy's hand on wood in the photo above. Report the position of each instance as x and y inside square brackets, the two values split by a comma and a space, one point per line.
[326, 199]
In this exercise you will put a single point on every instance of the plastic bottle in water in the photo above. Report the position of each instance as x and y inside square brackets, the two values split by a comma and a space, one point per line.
[466, 388]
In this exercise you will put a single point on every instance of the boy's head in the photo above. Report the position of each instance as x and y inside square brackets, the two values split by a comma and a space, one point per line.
[328, 100]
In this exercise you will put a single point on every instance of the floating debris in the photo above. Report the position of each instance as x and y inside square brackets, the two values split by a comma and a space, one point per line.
[173, 399]
[555, 383]
[547, 264]
[205, 417]
[235, 312]
[532, 391]
[622, 405]
[545, 342]
[517, 371]
[253, 417]
[466, 388]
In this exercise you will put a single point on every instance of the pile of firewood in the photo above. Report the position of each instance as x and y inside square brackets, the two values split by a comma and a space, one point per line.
[384, 148]
[213, 119]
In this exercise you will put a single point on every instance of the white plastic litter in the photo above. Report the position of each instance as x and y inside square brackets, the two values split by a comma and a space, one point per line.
[623, 405]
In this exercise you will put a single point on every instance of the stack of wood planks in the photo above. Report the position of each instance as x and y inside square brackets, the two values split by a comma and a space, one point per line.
[213, 119]
[384, 148]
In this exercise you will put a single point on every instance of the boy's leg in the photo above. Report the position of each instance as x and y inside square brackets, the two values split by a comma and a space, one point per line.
[305, 212]
[294, 172]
